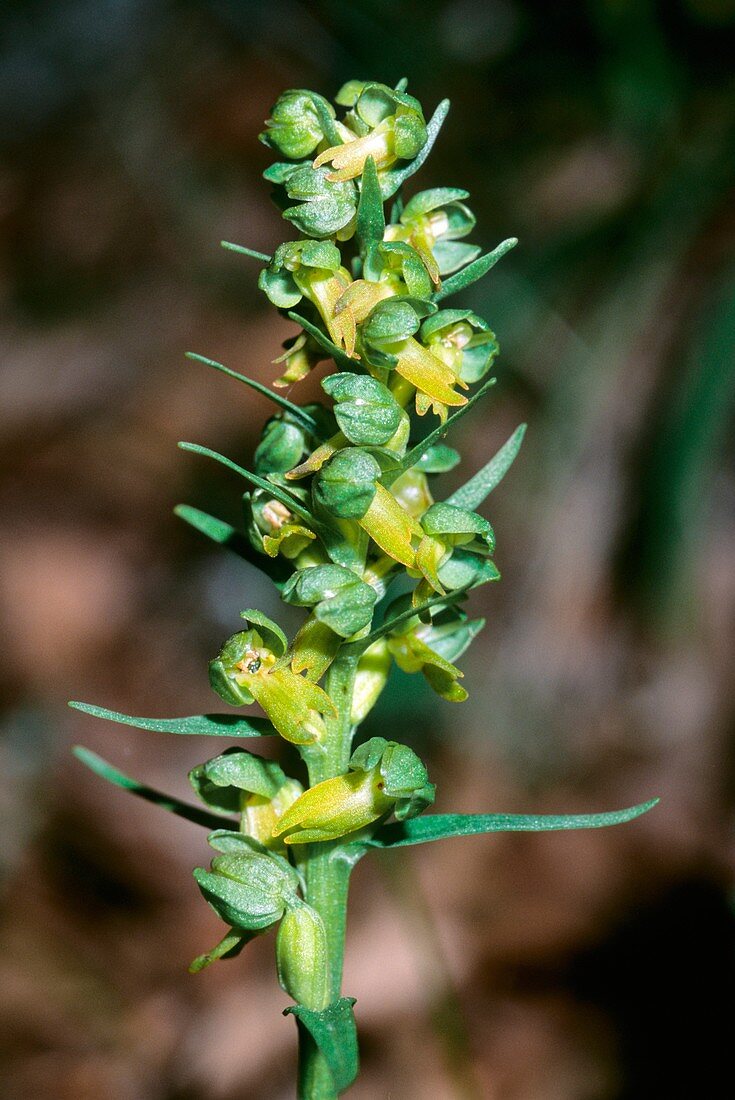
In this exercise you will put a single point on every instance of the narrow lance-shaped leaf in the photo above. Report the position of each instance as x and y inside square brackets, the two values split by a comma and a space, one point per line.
[106, 771]
[416, 453]
[421, 830]
[370, 216]
[333, 1032]
[275, 491]
[195, 725]
[340, 357]
[296, 411]
[251, 252]
[357, 647]
[224, 534]
[475, 270]
[473, 492]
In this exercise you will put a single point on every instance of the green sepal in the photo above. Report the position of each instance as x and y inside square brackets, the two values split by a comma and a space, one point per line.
[423, 202]
[464, 570]
[370, 216]
[341, 600]
[474, 271]
[325, 206]
[271, 632]
[389, 322]
[403, 773]
[197, 725]
[347, 484]
[247, 889]
[221, 781]
[333, 1032]
[366, 411]
[279, 287]
[228, 947]
[224, 534]
[421, 830]
[105, 770]
[294, 128]
[282, 446]
[455, 526]
[450, 256]
[438, 459]
[474, 491]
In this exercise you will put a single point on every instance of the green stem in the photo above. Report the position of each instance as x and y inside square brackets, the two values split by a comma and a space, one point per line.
[327, 875]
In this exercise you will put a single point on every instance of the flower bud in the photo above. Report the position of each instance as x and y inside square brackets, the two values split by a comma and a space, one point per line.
[247, 886]
[302, 956]
[294, 129]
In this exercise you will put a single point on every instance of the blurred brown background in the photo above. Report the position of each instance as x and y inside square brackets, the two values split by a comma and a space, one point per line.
[589, 966]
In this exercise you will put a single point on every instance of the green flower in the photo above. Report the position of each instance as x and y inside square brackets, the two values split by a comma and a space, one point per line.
[383, 124]
[248, 670]
[325, 207]
[240, 782]
[386, 340]
[296, 124]
[463, 341]
[434, 222]
[247, 886]
[384, 777]
[446, 527]
[273, 528]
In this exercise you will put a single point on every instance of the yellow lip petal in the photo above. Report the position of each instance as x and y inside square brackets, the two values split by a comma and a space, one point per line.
[348, 160]
[428, 374]
[334, 808]
[391, 527]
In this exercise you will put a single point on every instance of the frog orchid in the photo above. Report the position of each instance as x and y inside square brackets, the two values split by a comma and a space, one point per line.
[383, 123]
[248, 669]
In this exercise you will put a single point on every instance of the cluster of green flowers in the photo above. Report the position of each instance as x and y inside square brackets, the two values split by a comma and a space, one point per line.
[342, 499]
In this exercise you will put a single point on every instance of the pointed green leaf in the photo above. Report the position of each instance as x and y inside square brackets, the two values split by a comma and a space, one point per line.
[334, 1033]
[224, 534]
[417, 453]
[340, 357]
[196, 725]
[370, 216]
[473, 492]
[296, 411]
[251, 252]
[106, 771]
[276, 491]
[441, 826]
[357, 647]
[475, 270]
[394, 177]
